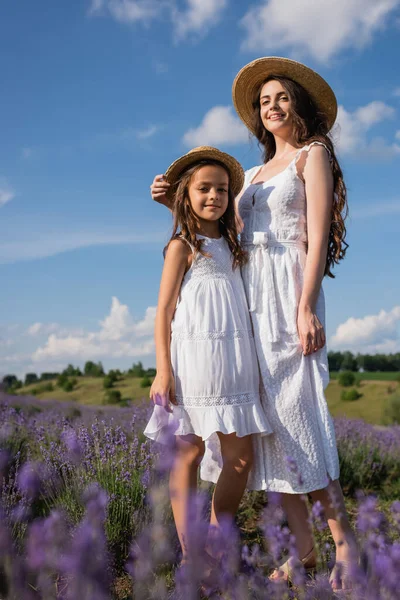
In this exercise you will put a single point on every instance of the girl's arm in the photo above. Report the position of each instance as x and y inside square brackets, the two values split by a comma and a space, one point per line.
[176, 261]
[159, 188]
[319, 193]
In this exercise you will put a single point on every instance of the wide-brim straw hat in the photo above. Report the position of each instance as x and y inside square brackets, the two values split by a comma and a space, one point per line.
[251, 76]
[176, 170]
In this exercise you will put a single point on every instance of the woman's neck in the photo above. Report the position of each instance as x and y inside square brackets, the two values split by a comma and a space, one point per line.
[284, 147]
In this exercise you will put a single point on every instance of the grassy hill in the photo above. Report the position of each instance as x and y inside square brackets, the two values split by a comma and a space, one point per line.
[375, 394]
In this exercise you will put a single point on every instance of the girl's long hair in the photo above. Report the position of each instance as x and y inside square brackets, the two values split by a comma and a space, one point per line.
[310, 125]
[185, 220]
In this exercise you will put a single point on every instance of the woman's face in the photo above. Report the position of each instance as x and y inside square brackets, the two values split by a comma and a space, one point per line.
[275, 108]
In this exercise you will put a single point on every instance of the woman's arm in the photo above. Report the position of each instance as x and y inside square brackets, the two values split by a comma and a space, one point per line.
[319, 193]
[159, 188]
[176, 260]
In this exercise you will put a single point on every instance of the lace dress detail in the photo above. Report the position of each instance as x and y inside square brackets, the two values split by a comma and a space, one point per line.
[213, 357]
[275, 234]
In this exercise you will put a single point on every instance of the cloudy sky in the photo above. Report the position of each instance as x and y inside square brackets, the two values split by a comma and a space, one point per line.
[100, 95]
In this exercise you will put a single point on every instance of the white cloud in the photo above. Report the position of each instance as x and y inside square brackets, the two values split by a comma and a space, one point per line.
[198, 18]
[396, 92]
[128, 11]
[50, 244]
[370, 334]
[220, 126]
[6, 192]
[144, 134]
[42, 328]
[319, 29]
[351, 129]
[119, 336]
[397, 135]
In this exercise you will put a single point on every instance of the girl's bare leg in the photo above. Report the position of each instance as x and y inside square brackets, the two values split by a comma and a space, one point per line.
[183, 484]
[237, 459]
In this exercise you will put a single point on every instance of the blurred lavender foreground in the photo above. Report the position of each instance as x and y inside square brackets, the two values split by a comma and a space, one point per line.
[84, 514]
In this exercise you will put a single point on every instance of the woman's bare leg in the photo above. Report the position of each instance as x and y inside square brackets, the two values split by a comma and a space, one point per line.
[332, 501]
[296, 510]
[183, 483]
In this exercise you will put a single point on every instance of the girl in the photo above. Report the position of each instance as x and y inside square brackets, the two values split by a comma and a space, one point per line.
[207, 381]
[292, 210]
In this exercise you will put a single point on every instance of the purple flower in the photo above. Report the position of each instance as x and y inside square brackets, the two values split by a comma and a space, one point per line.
[29, 479]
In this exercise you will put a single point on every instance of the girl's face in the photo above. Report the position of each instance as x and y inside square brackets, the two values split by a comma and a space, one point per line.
[208, 192]
[275, 107]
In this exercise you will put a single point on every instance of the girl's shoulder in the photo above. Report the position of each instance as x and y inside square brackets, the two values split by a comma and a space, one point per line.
[178, 247]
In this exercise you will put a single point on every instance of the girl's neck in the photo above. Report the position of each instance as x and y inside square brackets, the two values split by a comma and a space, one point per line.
[208, 229]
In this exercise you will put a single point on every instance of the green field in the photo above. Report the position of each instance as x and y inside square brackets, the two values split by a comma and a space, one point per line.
[377, 376]
[370, 406]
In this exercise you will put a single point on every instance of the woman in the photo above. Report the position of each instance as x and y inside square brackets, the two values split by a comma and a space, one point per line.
[292, 210]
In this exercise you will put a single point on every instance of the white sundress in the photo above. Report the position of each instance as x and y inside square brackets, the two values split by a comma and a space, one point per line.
[275, 234]
[213, 357]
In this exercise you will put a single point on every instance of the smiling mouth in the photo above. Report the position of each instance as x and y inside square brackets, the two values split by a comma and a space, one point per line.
[275, 117]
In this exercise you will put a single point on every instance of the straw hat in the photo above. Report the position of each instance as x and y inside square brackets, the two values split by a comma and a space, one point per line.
[253, 74]
[174, 171]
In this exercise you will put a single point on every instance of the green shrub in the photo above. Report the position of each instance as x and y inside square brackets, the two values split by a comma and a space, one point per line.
[350, 395]
[108, 382]
[68, 386]
[146, 382]
[40, 389]
[112, 397]
[62, 380]
[398, 378]
[346, 378]
[391, 411]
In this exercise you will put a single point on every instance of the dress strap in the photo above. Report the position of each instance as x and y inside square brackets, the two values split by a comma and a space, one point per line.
[181, 237]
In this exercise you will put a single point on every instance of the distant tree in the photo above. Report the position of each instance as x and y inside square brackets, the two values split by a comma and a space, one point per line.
[349, 363]
[31, 378]
[114, 375]
[335, 361]
[48, 376]
[151, 372]
[92, 369]
[346, 378]
[72, 371]
[137, 370]
[9, 381]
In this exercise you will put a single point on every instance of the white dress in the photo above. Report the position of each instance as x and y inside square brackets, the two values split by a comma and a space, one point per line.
[275, 234]
[213, 356]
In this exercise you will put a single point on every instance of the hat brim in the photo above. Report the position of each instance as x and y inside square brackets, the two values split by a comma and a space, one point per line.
[251, 76]
[177, 168]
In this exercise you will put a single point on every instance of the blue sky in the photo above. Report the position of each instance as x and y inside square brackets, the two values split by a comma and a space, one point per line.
[100, 95]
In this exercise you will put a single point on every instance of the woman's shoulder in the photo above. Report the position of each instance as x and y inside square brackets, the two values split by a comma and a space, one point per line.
[249, 173]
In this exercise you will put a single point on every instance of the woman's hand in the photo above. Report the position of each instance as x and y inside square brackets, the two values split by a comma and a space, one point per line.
[162, 391]
[311, 332]
[159, 188]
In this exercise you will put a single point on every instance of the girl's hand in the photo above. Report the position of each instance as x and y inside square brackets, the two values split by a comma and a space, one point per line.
[162, 391]
[311, 332]
[159, 188]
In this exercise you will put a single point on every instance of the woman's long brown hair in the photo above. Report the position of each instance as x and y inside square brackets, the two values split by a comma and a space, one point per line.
[185, 220]
[310, 125]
